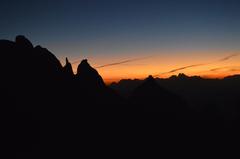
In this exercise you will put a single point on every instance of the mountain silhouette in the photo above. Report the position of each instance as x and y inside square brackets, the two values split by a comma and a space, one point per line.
[33, 75]
[151, 97]
[208, 99]
[89, 76]
[67, 70]
[182, 76]
[31, 61]
[23, 42]
[94, 94]
[30, 83]
[46, 100]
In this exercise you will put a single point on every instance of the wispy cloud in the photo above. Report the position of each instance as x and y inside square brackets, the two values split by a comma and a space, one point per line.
[218, 68]
[231, 68]
[228, 57]
[76, 61]
[202, 64]
[123, 62]
[183, 68]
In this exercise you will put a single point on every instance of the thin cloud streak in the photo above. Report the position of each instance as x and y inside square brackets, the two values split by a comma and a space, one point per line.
[203, 64]
[223, 68]
[228, 57]
[116, 63]
[181, 68]
[219, 68]
[185, 67]
[123, 62]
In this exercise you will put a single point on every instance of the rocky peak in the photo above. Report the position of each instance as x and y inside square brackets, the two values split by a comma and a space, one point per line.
[22, 41]
[182, 76]
[88, 75]
[150, 81]
[84, 67]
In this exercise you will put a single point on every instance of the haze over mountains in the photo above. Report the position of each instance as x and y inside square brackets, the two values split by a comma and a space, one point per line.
[36, 88]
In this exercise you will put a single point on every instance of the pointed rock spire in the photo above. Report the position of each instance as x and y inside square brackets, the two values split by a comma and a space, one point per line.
[67, 62]
[67, 69]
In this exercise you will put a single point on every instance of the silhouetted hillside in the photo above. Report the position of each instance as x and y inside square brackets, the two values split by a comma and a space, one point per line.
[34, 78]
[89, 76]
[210, 98]
[46, 100]
[92, 92]
[150, 97]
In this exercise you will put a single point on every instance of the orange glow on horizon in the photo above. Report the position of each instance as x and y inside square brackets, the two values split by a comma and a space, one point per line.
[165, 62]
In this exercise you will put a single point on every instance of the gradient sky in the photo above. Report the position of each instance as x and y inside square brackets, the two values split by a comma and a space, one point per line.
[170, 33]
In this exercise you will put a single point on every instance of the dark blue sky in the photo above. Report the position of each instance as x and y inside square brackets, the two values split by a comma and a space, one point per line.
[127, 28]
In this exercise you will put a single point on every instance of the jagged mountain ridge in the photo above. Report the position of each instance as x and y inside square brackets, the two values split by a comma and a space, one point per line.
[36, 79]
[39, 78]
[36, 92]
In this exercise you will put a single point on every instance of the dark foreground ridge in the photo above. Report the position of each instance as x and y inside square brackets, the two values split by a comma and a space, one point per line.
[47, 100]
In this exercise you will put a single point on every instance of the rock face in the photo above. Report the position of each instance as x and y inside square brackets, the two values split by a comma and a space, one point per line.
[89, 76]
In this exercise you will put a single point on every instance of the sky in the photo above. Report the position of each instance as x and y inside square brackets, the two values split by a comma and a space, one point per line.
[153, 36]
